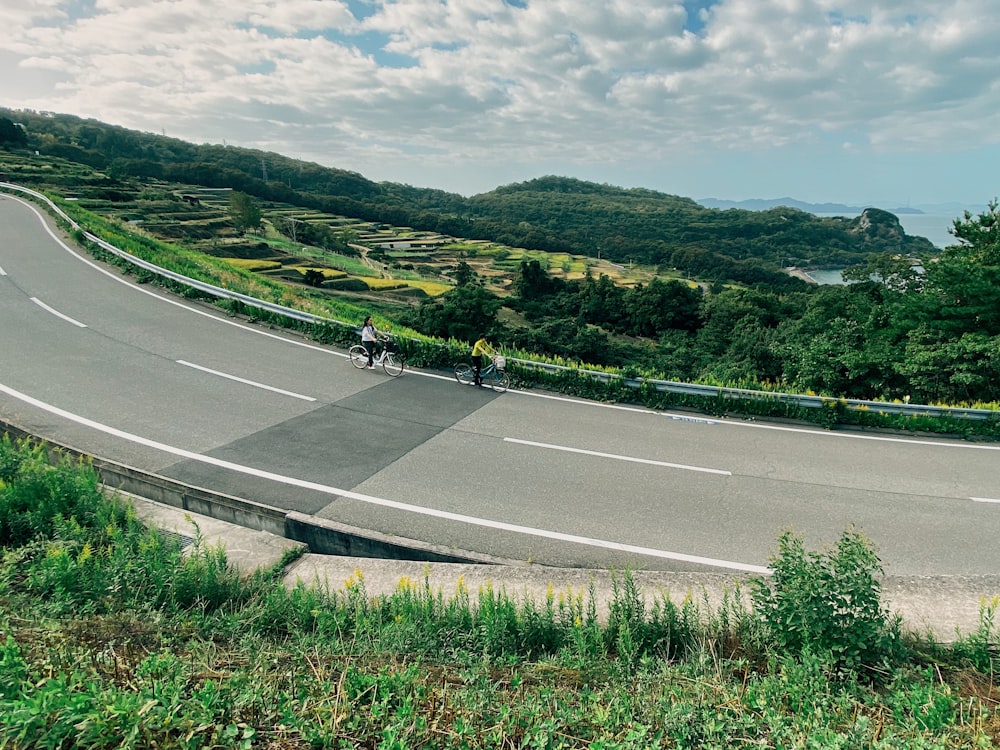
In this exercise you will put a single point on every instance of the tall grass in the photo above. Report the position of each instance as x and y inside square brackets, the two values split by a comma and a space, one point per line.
[113, 636]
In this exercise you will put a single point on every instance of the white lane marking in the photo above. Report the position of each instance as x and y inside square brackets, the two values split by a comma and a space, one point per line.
[984, 500]
[618, 457]
[2, 272]
[247, 382]
[532, 394]
[57, 313]
[370, 499]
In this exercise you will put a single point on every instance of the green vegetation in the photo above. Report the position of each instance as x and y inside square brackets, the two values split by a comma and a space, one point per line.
[676, 292]
[111, 635]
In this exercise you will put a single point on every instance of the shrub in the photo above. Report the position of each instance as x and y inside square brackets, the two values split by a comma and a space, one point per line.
[34, 493]
[828, 603]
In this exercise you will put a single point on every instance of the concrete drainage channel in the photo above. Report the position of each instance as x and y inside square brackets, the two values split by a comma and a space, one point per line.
[319, 535]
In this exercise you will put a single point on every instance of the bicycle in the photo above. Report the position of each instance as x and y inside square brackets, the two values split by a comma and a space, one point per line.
[492, 374]
[388, 356]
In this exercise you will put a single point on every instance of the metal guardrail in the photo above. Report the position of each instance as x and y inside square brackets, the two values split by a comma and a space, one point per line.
[808, 402]
[665, 386]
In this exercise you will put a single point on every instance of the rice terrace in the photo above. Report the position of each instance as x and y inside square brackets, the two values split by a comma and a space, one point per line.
[397, 263]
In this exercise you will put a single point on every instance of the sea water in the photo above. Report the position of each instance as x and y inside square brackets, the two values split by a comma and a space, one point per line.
[932, 226]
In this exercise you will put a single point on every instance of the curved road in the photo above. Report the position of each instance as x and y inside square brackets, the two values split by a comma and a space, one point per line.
[135, 375]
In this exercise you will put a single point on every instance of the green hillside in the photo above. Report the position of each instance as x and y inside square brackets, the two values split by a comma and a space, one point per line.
[552, 214]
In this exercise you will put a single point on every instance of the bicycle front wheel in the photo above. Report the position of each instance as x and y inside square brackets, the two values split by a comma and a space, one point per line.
[393, 364]
[359, 356]
[500, 381]
[464, 374]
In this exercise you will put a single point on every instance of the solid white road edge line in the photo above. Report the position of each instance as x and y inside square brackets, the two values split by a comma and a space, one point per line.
[328, 490]
[243, 380]
[618, 457]
[984, 500]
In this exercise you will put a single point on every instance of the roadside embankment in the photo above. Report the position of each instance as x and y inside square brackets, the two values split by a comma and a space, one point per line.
[942, 607]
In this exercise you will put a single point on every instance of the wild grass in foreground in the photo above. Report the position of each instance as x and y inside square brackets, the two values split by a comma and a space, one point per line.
[112, 636]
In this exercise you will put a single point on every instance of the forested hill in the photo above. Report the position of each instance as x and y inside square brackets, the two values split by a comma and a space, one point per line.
[651, 227]
[550, 213]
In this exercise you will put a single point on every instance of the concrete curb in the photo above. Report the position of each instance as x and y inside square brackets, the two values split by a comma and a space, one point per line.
[322, 536]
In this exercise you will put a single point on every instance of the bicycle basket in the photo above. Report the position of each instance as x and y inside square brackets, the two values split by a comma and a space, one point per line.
[500, 362]
[392, 347]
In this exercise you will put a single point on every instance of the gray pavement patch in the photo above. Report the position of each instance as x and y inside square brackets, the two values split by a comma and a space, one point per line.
[339, 445]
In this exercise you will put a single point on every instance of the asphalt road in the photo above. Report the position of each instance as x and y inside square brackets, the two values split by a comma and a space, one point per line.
[133, 374]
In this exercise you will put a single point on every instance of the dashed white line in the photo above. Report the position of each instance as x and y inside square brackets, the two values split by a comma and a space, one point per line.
[58, 314]
[985, 499]
[335, 491]
[245, 381]
[618, 457]
[2, 272]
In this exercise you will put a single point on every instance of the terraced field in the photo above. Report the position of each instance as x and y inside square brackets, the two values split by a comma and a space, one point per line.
[397, 264]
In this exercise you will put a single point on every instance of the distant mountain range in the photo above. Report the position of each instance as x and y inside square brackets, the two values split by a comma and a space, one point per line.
[763, 204]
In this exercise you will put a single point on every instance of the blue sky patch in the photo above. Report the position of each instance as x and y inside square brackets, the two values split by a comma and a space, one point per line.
[361, 9]
[694, 22]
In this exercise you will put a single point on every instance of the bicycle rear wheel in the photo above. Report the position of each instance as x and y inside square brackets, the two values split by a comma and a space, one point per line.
[464, 374]
[393, 364]
[499, 381]
[359, 356]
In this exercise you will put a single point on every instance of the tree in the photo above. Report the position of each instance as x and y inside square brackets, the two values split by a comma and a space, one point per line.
[600, 302]
[245, 212]
[464, 274]
[751, 356]
[12, 134]
[313, 277]
[661, 305]
[961, 289]
[894, 271]
[532, 281]
[463, 313]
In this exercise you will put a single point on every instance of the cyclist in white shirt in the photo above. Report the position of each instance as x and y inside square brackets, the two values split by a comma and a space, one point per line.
[369, 340]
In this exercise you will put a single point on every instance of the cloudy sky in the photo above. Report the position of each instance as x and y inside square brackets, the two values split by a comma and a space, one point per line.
[883, 102]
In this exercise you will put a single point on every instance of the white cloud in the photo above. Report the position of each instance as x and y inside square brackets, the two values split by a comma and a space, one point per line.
[463, 94]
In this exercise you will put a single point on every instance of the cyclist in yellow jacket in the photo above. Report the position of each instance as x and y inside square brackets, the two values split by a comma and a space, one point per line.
[480, 348]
